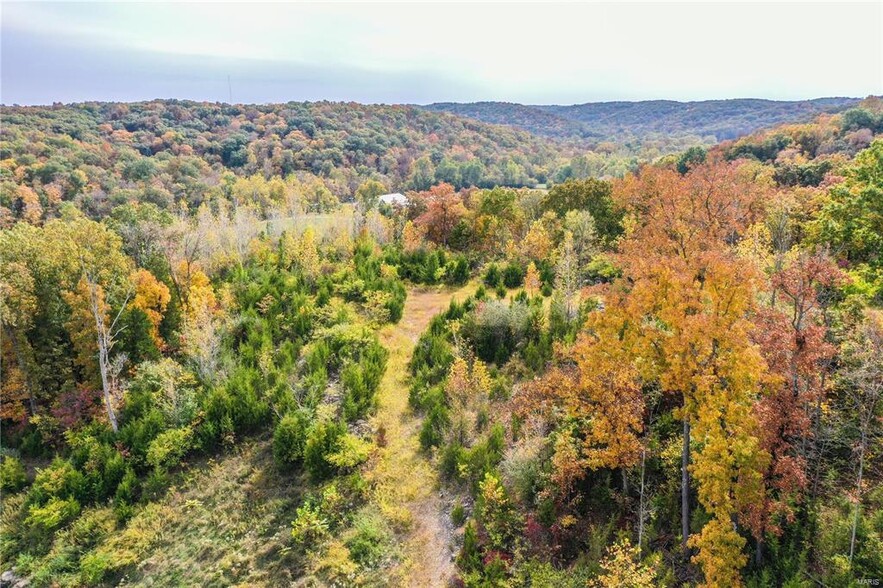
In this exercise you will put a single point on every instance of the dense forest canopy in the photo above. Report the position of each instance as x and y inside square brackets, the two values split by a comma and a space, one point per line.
[175, 150]
[226, 362]
[174, 153]
[718, 120]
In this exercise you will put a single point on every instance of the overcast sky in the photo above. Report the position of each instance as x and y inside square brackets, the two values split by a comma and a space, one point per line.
[419, 53]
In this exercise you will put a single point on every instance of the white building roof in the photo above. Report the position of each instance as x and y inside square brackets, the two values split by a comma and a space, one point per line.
[394, 198]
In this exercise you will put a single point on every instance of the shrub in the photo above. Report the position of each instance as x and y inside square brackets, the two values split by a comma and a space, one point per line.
[495, 329]
[248, 410]
[351, 452]
[500, 520]
[103, 465]
[60, 479]
[434, 425]
[137, 433]
[322, 442]
[513, 275]
[168, 387]
[430, 360]
[523, 468]
[94, 567]
[167, 450]
[469, 558]
[429, 274]
[91, 529]
[479, 460]
[290, 438]
[457, 271]
[449, 460]
[371, 539]
[12, 474]
[360, 381]
[55, 513]
[492, 276]
[128, 547]
[429, 266]
[155, 484]
[309, 525]
[126, 495]
[458, 514]
[236, 407]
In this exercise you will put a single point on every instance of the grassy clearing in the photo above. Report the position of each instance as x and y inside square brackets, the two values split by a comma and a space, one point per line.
[404, 482]
[232, 525]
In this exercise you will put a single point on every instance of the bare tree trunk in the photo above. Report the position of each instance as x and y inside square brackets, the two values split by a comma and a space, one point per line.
[858, 490]
[105, 383]
[105, 342]
[685, 486]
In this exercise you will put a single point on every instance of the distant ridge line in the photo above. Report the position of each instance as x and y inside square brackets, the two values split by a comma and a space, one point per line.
[721, 118]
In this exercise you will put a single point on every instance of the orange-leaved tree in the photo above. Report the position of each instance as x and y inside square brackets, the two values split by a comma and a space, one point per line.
[691, 298]
[444, 209]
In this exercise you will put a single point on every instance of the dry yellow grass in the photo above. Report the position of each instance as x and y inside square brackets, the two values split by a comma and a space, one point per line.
[228, 524]
[404, 482]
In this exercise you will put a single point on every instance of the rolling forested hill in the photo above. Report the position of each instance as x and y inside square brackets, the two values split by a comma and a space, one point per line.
[722, 119]
[169, 143]
[170, 151]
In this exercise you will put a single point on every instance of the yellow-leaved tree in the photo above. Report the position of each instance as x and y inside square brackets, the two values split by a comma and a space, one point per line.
[99, 292]
[691, 298]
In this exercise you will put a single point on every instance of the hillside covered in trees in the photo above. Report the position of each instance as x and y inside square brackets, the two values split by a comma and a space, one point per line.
[225, 362]
[171, 151]
[179, 153]
[712, 120]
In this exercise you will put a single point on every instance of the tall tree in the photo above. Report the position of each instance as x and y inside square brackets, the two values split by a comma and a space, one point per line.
[35, 270]
[103, 285]
[693, 297]
[567, 275]
[151, 297]
[598, 386]
[592, 195]
[422, 174]
[851, 221]
[367, 196]
[18, 304]
[791, 334]
[444, 209]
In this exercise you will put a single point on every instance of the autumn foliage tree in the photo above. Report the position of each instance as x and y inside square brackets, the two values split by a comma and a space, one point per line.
[863, 382]
[692, 298]
[152, 298]
[101, 292]
[444, 209]
[791, 334]
[598, 387]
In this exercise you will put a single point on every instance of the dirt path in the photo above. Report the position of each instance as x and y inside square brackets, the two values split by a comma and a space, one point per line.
[406, 484]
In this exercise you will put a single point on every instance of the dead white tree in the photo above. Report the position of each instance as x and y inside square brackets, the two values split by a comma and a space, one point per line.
[106, 336]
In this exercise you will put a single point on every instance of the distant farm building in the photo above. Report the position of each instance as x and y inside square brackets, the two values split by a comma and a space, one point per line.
[394, 199]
